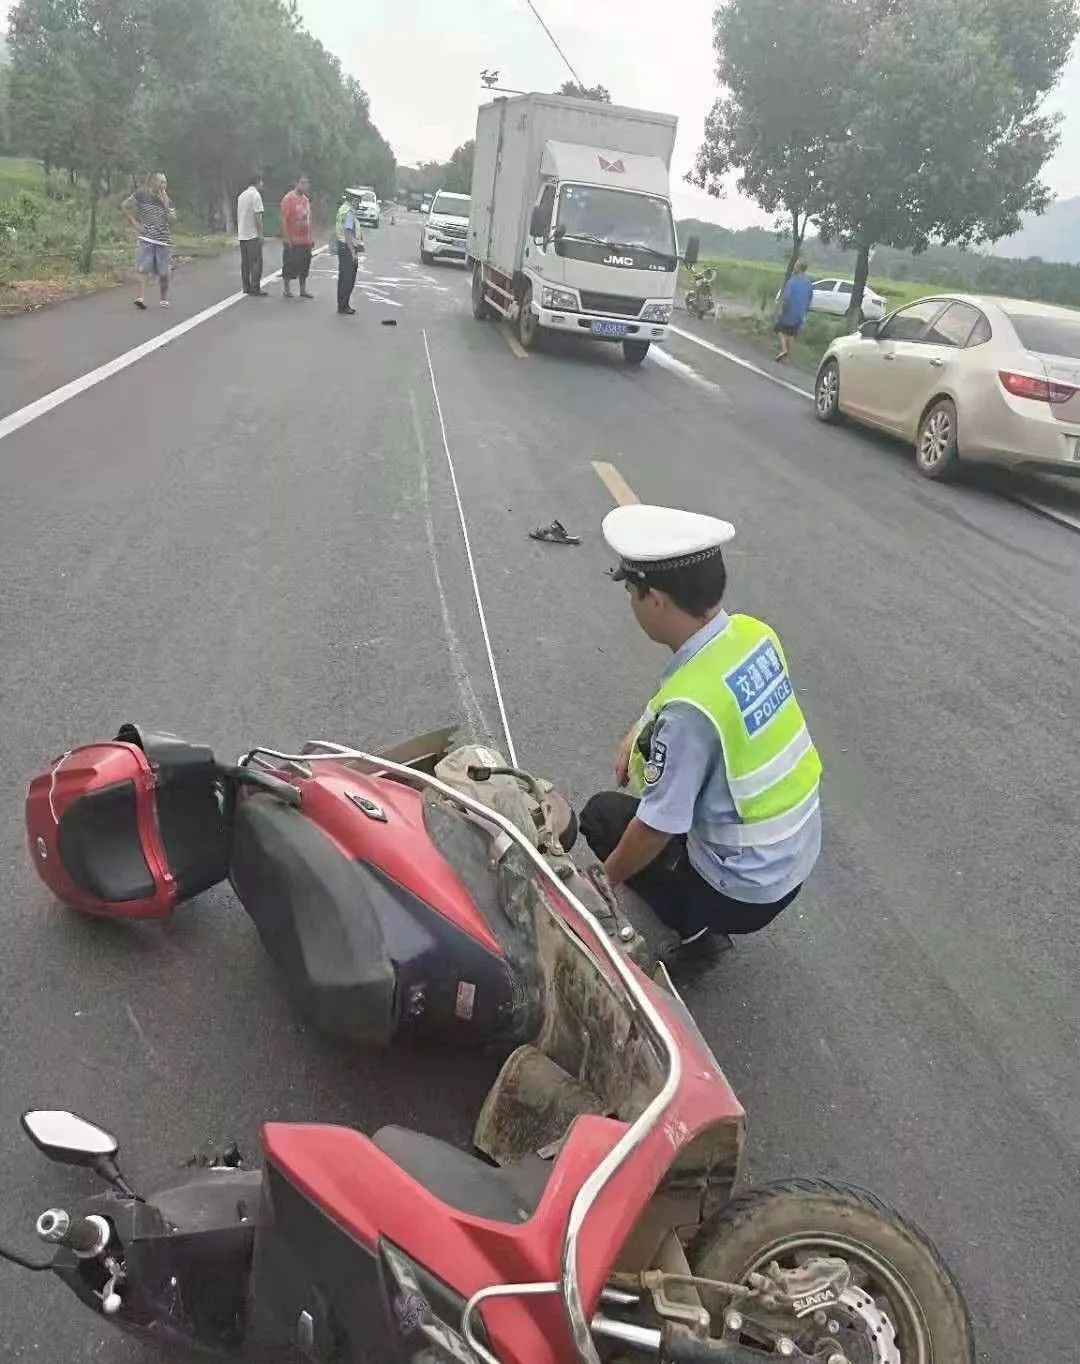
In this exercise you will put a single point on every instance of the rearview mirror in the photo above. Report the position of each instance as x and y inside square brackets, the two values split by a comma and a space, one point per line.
[693, 251]
[540, 222]
[69, 1139]
[870, 328]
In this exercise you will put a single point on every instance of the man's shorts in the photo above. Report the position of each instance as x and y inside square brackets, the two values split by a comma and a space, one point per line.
[787, 328]
[153, 258]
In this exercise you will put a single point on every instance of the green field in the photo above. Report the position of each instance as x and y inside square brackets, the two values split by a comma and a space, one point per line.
[758, 282]
[755, 284]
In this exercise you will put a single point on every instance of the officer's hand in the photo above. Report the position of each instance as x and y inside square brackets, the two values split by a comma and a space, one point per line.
[622, 762]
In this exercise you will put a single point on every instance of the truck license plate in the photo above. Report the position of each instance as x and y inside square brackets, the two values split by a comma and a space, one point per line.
[609, 328]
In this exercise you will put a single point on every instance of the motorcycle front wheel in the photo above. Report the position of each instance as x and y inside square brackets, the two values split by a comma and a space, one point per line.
[903, 1306]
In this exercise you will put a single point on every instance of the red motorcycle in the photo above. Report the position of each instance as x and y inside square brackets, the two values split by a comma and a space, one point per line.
[599, 1218]
[384, 913]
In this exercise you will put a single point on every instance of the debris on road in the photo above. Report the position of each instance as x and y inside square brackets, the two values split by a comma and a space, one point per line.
[555, 534]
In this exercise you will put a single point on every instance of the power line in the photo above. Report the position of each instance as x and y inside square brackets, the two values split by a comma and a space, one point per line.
[554, 44]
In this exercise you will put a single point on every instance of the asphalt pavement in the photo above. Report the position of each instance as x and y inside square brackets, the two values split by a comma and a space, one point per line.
[251, 535]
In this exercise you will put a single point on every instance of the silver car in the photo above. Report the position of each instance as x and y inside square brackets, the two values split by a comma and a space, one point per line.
[964, 378]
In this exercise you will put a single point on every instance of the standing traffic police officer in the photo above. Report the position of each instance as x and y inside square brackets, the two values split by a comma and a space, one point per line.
[349, 245]
[724, 825]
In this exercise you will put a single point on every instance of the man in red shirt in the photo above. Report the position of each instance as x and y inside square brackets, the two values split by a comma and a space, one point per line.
[296, 237]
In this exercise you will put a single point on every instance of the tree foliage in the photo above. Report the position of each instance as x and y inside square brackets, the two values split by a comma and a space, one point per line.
[209, 91]
[888, 121]
[599, 93]
[77, 66]
[430, 176]
[782, 67]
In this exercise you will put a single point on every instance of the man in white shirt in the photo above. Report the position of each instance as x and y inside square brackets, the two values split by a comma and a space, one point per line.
[249, 228]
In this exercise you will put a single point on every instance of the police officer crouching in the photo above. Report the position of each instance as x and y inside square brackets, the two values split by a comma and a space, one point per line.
[724, 825]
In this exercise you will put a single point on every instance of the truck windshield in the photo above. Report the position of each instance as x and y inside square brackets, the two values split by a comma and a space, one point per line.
[618, 217]
[453, 205]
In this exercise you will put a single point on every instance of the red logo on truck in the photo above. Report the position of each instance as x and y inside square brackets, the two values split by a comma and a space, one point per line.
[615, 167]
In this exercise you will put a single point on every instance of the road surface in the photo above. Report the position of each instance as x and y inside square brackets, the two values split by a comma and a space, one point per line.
[251, 534]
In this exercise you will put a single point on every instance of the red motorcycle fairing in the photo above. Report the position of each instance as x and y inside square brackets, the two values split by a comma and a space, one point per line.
[128, 829]
[334, 1191]
[399, 843]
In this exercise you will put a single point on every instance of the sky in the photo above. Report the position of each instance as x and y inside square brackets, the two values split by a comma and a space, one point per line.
[420, 62]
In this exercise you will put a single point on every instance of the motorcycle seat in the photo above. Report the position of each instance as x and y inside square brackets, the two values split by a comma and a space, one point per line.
[508, 1193]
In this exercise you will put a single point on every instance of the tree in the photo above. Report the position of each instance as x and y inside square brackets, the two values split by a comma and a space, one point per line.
[963, 166]
[859, 116]
[781, 66]
[76, 69]
[459, 169]
[430, 176]
[596, 92]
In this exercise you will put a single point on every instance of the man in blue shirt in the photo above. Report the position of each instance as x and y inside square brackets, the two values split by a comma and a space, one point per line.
[794, 305]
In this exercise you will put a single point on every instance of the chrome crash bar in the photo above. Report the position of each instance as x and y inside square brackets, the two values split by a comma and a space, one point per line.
[635, 1134]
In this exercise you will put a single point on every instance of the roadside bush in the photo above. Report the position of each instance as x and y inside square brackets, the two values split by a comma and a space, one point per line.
[22, 212]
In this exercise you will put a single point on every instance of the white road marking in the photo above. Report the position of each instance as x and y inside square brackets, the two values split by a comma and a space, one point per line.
[511, 752]
[744, 364]
[15, 421]
[470, 702]
[666, 360]
[1051, 513]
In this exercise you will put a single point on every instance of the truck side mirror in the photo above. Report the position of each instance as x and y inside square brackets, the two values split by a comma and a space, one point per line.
[693, 250]
[540, 222]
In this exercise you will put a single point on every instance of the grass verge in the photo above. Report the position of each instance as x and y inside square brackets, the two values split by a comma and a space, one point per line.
[43, 224]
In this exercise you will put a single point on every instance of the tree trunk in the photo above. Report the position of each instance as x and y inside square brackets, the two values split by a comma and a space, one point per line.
[798, 232]
[862, 270]
[227, 208]
[86, 264]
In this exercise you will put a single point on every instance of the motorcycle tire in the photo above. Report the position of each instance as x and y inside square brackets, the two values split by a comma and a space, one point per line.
[900, 1269]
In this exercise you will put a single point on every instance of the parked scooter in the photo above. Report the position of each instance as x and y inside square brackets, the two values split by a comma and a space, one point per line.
[601, 1220]
[380, 906]
[699, 297]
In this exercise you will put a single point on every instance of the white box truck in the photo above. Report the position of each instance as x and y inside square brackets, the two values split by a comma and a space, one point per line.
[571, 228]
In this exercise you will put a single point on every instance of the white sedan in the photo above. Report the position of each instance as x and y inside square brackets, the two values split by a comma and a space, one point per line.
[834, 296]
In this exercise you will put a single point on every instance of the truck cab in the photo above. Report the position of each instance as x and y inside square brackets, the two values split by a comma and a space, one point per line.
[602, 259]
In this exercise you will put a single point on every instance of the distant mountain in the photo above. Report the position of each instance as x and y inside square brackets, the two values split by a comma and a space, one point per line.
[1053, 235]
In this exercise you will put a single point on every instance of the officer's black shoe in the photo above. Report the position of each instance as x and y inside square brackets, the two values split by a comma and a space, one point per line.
[347, 312]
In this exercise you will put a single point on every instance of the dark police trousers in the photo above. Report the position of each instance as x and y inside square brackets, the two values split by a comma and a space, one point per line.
[673, 889]
[346, 275]
[251, 265]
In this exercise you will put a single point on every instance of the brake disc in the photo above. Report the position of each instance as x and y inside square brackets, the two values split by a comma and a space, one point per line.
[877, 1325]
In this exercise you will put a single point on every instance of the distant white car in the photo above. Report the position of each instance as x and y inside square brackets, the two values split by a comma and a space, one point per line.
[445, 233]
[369, 210]
[834, 296]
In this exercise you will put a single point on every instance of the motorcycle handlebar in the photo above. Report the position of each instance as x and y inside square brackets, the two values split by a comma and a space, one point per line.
[86, 1236]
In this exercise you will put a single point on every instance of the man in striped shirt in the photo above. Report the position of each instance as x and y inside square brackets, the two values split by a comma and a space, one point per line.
[150, 212]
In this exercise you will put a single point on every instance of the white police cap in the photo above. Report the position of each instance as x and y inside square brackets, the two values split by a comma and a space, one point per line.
[656, 538]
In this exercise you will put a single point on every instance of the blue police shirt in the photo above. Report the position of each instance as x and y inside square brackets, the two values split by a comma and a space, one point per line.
[691, 789]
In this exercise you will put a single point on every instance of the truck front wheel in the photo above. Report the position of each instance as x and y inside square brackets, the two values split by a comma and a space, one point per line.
[528, 324]
[635, 351]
